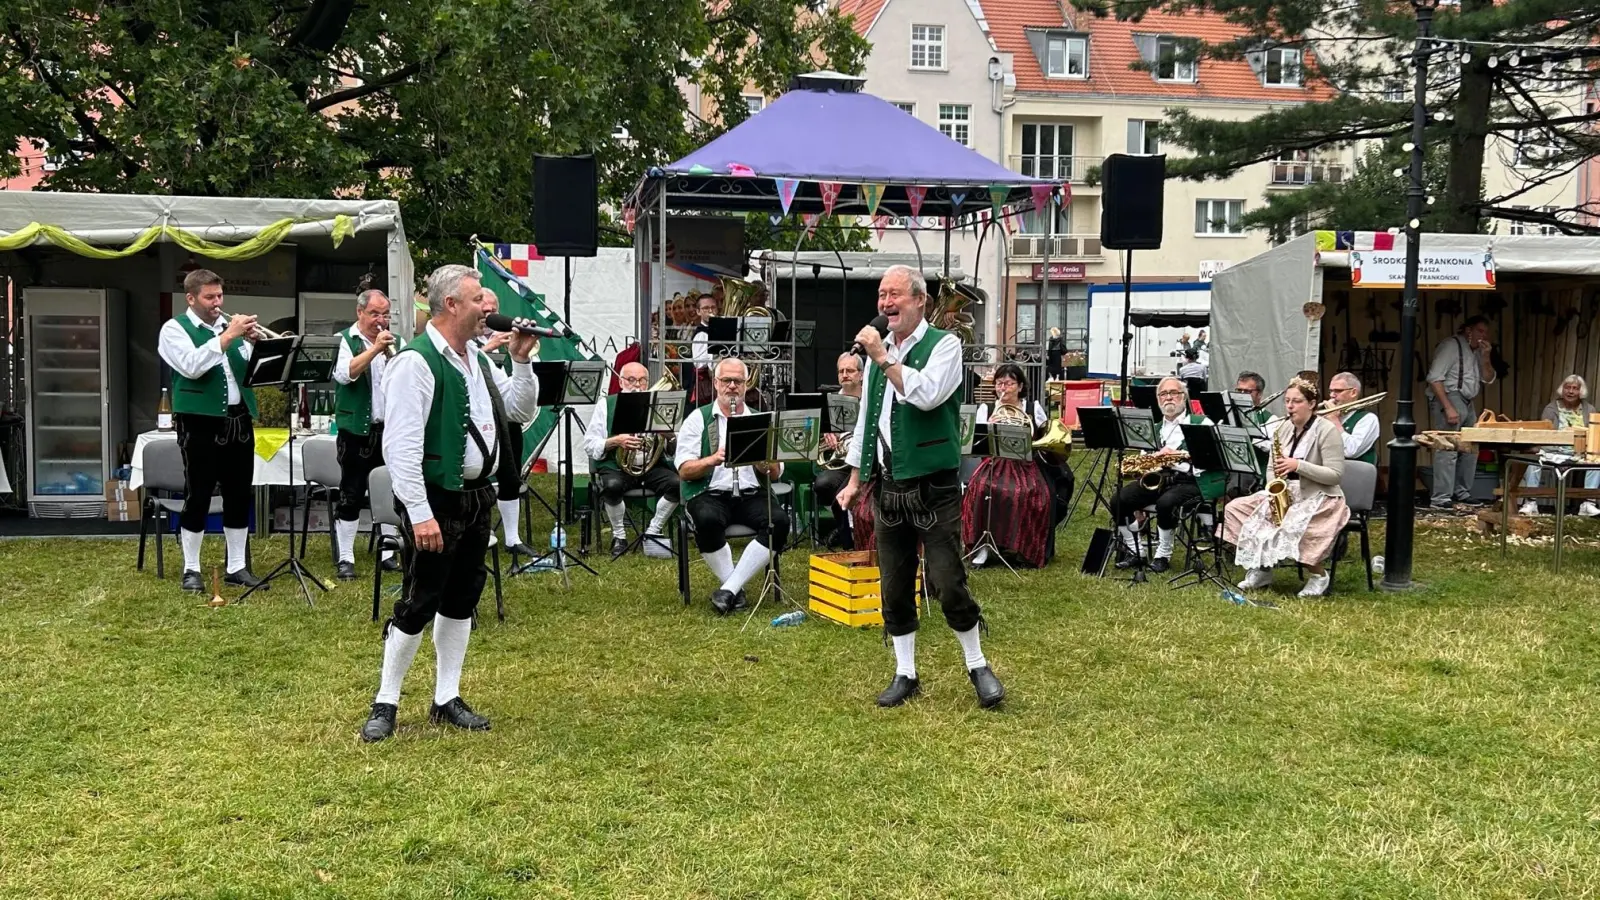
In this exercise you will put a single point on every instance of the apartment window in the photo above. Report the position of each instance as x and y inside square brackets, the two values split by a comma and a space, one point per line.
[909, 109]
[1394, 90]
[1218, 217]
[753, 103]
[1142, 137]
[1534, 148]
[927, 46]
[1035, 221]
[955, 122]
[1169, 67]
[1067, 57]
[1517, 227]
[1283, 67]
[1067, 308]
[1047, 152]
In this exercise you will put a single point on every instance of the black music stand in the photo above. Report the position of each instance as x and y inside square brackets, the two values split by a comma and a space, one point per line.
[647, 412]
[564, 384]
[771, 437]
[997, 441]
[1119, 429]
[1143, 396]
[1206, 452]
[280, 363]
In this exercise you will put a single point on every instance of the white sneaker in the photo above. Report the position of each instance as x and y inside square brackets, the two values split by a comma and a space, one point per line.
[1587, 508]
[1316, 585]
[1531, 508]
[1258, 578]
[655, 546]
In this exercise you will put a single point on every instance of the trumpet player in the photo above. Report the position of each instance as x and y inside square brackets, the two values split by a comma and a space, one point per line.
[364, 351]
[1359, 426]
[1306, 466]
[1180, 488]
[208, 353]
[661, 479]
[829, 481]
[508, 491]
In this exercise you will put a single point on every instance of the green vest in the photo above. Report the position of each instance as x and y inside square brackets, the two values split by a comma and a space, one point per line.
[609, 461]
[922, 441]
[208, 394]
[353, 401]
[1371, 456]
[444, 438]
[1212, 484]
[688, 490]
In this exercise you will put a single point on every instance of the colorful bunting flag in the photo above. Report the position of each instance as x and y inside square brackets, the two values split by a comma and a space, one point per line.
[786, 189]
[1065, 198]
[1042, 194]
[881, 224]
[956, 200]
[997, 196]
[914, 196]
[874, 195]
[830, 195]
[775, 218]
[698, 169]
[629, 218]
[740, 170]
[810, 220]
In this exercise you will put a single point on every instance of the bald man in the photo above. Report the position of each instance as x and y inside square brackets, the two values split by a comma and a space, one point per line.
[661, 479]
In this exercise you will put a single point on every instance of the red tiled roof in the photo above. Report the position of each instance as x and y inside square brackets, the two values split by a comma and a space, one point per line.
[1112, 51]
[865, 12]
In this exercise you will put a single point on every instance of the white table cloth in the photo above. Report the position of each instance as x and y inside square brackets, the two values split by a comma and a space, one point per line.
[274, 471]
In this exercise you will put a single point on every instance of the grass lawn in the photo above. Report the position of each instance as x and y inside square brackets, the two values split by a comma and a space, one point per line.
[1154, 743]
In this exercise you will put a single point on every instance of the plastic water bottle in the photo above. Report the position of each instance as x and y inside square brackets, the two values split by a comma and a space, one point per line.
[792, 617]
[558, 538]
[1377, 565]
[1234, 597]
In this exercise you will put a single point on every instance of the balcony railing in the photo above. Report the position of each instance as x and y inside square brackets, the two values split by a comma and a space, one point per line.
[1071, 169]
[1302, 173]
[1064, 247]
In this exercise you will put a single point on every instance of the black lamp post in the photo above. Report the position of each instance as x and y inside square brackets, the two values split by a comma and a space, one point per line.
[1402, 504]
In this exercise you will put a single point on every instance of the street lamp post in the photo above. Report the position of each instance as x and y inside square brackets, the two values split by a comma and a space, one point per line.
[1402, 506]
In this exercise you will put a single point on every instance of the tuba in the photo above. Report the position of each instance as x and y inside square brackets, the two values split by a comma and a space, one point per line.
[1055, 444]
[637, 462]
[1277, 488]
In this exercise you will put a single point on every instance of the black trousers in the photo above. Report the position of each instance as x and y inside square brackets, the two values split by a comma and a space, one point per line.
[509, 482]
[924, 510]
[1181, 491]
[358, 456]
[713, 512]
[447, 582]
[217, 450]
[660, 479]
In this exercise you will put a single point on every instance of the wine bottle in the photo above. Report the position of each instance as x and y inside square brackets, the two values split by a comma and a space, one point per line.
[305, 409]
[164, 411]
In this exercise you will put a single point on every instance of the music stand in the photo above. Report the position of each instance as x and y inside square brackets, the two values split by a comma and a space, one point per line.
[1102, 433]
[646, 412]
[759, 437]
[1143, 396]
[1206, 452]
[279, 363]
[564, 384]
[997, 441]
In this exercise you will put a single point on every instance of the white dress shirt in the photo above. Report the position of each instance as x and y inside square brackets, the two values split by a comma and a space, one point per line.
[722, 477]
[409, 398]
[1172, 438]
[341, 369]
[177, 349]
[594, 437]
[700, 348]
[1039, 416]
[924, 389]
[1361, 437]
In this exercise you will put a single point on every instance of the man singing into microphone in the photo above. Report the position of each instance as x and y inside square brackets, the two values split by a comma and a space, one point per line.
[446, 405]
[213, 417]
[508, 491]
[364, 351]
[908, 434]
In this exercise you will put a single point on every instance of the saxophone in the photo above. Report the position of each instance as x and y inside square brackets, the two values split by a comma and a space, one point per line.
[1152, 470]
[1277, 488]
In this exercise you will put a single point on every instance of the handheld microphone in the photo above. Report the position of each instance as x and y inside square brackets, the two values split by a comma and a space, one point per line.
[881, 323]
[498, 322]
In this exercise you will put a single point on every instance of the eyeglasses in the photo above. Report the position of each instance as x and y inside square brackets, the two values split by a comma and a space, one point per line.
[1169, 393]
[730, 382]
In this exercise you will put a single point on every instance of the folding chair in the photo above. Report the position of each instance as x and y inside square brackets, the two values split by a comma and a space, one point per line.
[322, 475]
[163, 477]
[1359, 484]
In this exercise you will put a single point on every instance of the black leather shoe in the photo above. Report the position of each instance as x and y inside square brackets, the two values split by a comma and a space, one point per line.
[1126, 560]
[619, 546]
[990, 690]
[345, 571]
[243, 578]
[458, 714]
[723, 601]
[381, 724]
[522, 550]
[193, 583]
[899, 691]
[1160, 564]
[391, 564]
[741, 600]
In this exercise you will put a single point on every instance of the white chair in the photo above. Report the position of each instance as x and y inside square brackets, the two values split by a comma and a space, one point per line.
[322, 475]
[163, 478]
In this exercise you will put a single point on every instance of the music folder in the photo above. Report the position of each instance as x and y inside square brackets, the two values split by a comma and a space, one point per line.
[842, 411]
[748, 440]
[631, 413]
[270, 360]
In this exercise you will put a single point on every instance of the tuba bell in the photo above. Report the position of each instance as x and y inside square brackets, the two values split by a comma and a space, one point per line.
[1055, 444]
[834, 459]
[637, 462]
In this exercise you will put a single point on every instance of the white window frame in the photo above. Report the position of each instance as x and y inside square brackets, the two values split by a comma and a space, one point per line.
[754, 103]
[1066, 43]
[1149, 145]
[907, 107]
[948, 124]
[1061, 164]
[930, 40]
[1394, 91]
[1206, 223]
[1529, 150]
[1285, 67]
[1185, 72]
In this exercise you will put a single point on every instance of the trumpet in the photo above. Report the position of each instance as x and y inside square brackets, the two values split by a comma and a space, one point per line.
[259, 333]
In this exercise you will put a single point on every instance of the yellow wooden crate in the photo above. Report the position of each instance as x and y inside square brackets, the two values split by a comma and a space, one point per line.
[844, 587]
[865, 619]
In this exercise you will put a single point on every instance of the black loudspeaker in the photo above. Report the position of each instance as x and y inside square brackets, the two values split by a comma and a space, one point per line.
[566, 218]
[1131, 202]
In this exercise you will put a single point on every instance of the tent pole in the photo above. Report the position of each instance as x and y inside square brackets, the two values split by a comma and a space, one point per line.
[1127, 317]
[659, 279]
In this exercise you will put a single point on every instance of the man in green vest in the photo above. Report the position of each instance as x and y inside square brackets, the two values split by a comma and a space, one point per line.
[208, 354]
[1360, 426]
[364, 352]
[907, 435]
[1253, 384]
[1181, 489]
[717, 496]
[508, 490]
[605, 450]
[445, 406]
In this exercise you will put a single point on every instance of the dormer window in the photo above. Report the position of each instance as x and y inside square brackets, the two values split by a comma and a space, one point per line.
[1174, 61]
[1066, 56]
[1282, 67]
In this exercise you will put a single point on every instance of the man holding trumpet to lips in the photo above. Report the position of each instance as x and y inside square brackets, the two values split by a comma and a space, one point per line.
[364, 351]
[208, 353]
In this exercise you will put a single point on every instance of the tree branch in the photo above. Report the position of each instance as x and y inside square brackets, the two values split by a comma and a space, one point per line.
[86, 123]
[373, 87]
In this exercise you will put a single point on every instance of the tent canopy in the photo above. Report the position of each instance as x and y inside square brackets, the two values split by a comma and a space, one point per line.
[854, 139]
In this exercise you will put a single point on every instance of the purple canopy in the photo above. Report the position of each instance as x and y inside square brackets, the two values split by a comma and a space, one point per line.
[827, 136]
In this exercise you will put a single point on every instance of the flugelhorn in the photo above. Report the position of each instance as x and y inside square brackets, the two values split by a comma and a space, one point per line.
[260, 332]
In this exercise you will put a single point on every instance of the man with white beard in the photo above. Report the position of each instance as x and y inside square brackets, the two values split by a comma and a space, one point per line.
[1181, 486]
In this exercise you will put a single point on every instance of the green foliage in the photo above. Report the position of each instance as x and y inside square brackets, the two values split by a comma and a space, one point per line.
[1373, 198]
[440, 106]
[832, 233]
[272, 408]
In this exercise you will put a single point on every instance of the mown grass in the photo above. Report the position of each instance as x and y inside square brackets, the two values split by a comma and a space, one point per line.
[1155, 744]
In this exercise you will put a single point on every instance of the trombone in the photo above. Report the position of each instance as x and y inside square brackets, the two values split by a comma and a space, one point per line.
[1353, 405]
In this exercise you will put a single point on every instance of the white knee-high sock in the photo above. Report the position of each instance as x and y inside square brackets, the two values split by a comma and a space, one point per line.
[755, 556]
[972, 648]
[450, 648]
[666, 505]
[720, 561]
[509, 510]
[1164, 543]
[617, 514]
[236, 538]
[345, 533]
[399, 649]
[905, 654]
[1129, 541]
[391, 531]
[191, 548]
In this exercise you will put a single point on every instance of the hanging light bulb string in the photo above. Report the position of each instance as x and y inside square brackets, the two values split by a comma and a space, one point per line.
[1513, 54]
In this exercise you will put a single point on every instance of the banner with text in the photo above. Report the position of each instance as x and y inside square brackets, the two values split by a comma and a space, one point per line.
[1462, 270]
